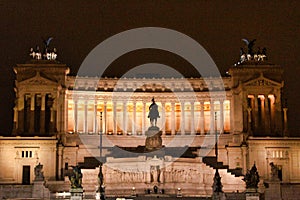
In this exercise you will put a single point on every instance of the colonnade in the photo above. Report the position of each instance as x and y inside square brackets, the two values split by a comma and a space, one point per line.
[262, 112]
[131, 117]
[33, 113]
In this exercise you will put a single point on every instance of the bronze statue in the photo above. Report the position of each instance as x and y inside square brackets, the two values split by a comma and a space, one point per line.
[153, 113]
[252, 178]
[250, 45]
[76, 177]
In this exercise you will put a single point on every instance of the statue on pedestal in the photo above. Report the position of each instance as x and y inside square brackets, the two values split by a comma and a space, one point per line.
[76, 178]
[38, 172]
[274, 172]
[153, 113]
[153, 140]
[252, 178]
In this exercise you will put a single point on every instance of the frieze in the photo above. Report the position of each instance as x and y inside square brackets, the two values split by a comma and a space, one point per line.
[155, 84]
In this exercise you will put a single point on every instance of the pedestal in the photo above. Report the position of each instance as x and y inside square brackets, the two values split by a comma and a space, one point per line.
[218, 196]
[273, 191]
[76, 193]
[153, 140]
[39, 190]
[252, 196]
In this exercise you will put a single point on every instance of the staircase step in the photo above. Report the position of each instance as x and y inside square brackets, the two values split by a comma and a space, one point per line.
[212, 162]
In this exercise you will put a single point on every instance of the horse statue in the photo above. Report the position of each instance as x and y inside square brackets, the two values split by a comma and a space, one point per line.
[153, 113]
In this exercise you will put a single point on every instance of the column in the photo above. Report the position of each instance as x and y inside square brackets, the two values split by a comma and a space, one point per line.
[76, 116]
[124, 117]
[15, 118]
[95, 125]
[32, 105]
[255, 112]
[244, 153]
[105, 117]
[42, 114]
[66, 118]
[192, 118]
[85, 129]
[172, 118]
[285, 130]
[60, 162]
[263, 114]
[272, 113]
[21, 111]
[52, 124]
[267, 115]
[202, 120]
[163, 118]
[115, 117]
[182, 121]
[144, 118]
[232, 114]
[249, 129]
[212, 118]
[221, 116]
[134, 118]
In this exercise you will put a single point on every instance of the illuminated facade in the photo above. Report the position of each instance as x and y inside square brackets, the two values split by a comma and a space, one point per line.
[245, 109]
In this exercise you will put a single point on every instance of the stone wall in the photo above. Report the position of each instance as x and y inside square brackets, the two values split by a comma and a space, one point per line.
[15, 191]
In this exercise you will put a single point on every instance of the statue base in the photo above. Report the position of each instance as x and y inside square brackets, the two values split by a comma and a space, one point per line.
[39, 190]
[218, 196]
[252, 196]
[273, 191]
[251, 190]
[153, 140]
[76, 193]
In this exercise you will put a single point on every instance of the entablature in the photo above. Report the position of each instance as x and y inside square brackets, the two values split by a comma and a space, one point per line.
[148, 84]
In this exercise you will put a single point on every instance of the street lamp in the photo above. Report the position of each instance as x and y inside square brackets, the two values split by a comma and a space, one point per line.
[101, 189]
[217, 185]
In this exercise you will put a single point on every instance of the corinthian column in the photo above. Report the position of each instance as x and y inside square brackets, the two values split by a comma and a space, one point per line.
[212, 114]
[202, 120]
[182, 124]
[85, 128]
[115, 117]
[32, 105]
[95, 118]
[144, 118]
[192, 118]
[124, 117]
[221, 116]
[76, 116]
[134, 119]
[105, 117]
[42, 114]
[163, 118]
[172, 118]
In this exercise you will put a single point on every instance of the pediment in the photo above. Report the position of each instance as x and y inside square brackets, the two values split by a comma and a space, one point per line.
[37, 80]
[262, 81]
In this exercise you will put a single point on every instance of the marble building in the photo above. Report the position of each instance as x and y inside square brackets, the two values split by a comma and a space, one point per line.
[58, 119]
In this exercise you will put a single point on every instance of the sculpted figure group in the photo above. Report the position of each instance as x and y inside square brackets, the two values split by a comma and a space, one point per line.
[259, 55]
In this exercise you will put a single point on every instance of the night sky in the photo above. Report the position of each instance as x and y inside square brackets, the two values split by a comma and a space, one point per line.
[219, 26]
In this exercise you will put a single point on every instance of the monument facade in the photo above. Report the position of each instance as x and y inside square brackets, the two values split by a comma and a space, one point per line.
[56, 121]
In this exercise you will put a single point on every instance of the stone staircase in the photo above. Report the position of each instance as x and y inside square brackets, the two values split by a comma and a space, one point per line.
[212, 161]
